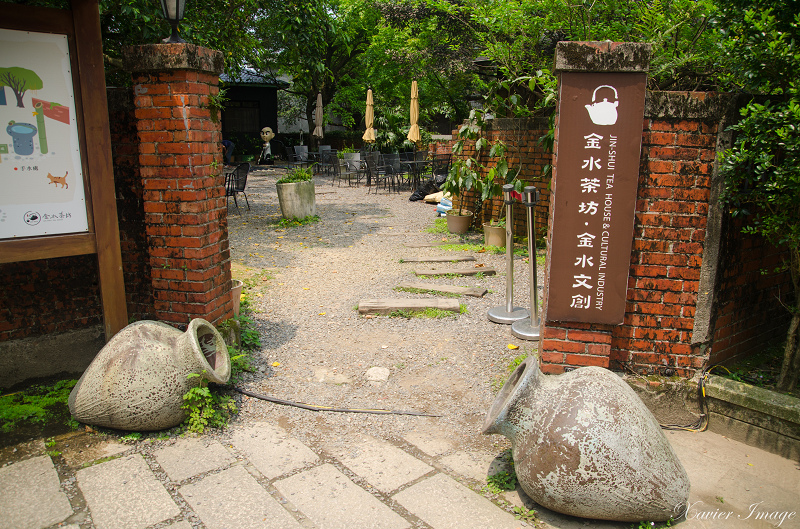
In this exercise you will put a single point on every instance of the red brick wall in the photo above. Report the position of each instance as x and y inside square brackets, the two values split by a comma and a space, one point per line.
[669, 235]
[130, 206]
[669, 246]
[751, 296]
[185, 211]
[48, 296]
[524, 151]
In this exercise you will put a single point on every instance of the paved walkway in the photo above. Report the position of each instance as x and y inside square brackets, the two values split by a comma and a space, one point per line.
[258, 476]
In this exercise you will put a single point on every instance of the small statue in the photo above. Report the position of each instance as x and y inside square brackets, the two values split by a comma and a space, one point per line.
[266, 152]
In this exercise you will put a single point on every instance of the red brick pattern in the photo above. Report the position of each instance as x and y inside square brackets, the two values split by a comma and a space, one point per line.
[183, 195]
[130, 209]
[524, 152]
[49, 296]
[669, 234]
[751, 301]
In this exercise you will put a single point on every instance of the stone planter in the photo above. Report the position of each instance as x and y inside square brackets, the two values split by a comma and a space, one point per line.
[137, 381]
[585, 445]
[494, 235]
[458, 223]
[297, 199]
[756, 416]
[351, 159]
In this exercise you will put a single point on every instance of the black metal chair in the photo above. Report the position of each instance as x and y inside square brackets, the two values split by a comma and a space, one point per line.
[235, 183]
[395, 167]
[328, 160]
[440, 166]
[378, 172]
[338, 174]
[300, 157]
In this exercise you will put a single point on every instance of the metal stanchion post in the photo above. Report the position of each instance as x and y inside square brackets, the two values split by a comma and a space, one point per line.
[529, 328]
[508, 314]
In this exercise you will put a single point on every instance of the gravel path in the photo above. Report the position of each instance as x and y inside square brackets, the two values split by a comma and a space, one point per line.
[307, 281]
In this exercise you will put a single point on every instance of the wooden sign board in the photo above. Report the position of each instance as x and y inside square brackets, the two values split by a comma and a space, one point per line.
[55, 151]
[597, 176]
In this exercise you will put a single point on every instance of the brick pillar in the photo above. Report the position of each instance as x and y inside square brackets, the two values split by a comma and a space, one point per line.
[183, 186]
[571, 344]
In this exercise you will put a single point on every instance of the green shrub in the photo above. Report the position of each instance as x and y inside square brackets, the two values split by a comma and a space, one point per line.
[298, 174]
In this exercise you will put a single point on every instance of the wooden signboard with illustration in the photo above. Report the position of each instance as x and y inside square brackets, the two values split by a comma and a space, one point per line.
[56, 175]
[40, 173]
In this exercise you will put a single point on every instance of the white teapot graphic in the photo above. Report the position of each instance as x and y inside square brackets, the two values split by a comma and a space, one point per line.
[603, 112]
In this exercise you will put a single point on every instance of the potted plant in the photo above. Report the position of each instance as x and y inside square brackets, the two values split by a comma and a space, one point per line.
[494, 233]
[460, 180]
[468, 174]
[350, 158]
[296, 194]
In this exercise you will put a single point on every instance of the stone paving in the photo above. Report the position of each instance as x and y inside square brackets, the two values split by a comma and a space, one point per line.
[258, 476]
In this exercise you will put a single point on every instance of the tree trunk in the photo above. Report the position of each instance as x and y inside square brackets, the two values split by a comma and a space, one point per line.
[790, 370]
[791, 359]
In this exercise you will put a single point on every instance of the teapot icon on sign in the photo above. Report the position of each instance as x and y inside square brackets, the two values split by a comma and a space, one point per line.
[603, 112]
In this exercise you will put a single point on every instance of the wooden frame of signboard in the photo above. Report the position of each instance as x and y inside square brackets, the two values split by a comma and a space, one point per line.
[81, 25]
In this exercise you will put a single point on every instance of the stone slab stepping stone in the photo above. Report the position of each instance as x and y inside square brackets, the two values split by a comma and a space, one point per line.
[425, 244]
[438, 259]
[458, 271]
[387, 306]
[450, 289]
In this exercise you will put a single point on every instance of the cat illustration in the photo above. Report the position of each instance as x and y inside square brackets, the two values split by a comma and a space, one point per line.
[59, 180]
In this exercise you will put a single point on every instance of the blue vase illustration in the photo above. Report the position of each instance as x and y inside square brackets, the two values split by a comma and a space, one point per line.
[22, 134]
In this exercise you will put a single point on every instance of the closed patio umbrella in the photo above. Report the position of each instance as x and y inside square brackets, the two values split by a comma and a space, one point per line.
[413, 133]
[369, 119]
[318, 118]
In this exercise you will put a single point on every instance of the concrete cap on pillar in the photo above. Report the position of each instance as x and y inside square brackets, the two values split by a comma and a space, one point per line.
[602, 56]
[167, 57]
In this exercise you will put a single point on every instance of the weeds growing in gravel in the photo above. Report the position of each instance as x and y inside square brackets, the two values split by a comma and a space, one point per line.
[526, 515]
[208, 406]
[294, 221]
[504, 480]
[500, 380]
[427, 313]
[428, 291]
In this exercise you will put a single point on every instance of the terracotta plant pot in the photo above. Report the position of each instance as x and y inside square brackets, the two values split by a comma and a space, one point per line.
[137, 381]
[236, 296]
[584, 444]
[458, 223]
[297, 199]
[494, 235]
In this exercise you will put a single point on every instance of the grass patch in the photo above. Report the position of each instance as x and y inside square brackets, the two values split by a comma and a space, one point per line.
[500, 380]
[439, 226]
[427, 291]
[37, 406]
[294, 221]
[519, 250]
[429, 312]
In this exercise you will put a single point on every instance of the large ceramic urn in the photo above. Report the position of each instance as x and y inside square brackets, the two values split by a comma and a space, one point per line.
[138, 379]
[584, 444]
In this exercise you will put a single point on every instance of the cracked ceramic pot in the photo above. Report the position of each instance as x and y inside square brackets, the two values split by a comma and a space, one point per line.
[584, 444]
[138, 379]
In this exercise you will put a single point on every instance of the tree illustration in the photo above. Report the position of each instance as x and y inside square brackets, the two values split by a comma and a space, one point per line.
[20, 80]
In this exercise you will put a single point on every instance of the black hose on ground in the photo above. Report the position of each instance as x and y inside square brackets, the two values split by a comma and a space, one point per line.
[313, 407]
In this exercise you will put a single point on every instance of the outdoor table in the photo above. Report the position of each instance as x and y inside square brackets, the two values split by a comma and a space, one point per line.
[416, 168]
